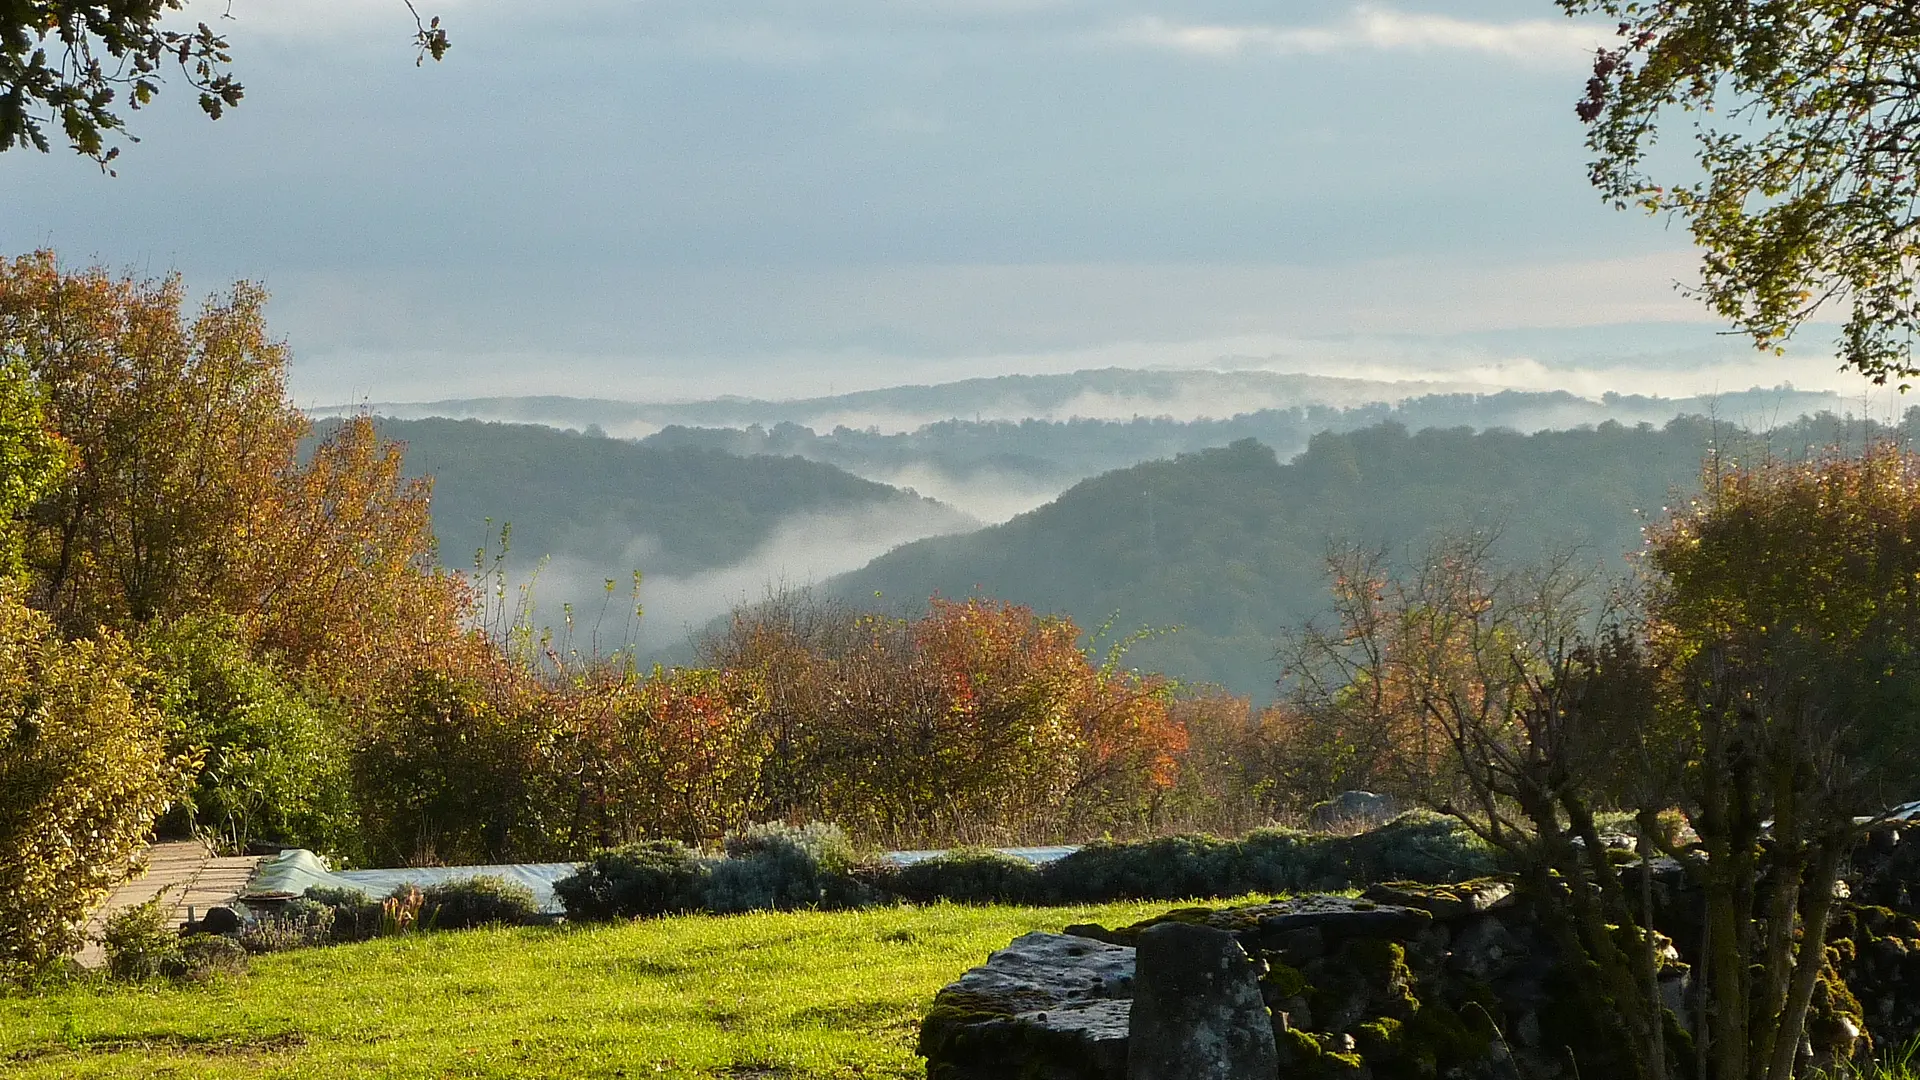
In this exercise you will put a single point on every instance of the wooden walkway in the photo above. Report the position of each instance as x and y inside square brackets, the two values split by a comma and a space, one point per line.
[193, 877]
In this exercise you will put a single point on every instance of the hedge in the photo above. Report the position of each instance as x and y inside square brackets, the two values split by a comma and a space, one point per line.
[776, 867]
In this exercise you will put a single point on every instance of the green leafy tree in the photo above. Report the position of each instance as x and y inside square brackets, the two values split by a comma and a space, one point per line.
[451, 769]
[274, 765]
[1805, 122]
[73, 66]
[1786, 623]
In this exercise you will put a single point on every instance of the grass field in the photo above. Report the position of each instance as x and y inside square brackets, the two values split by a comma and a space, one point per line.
[745, 997]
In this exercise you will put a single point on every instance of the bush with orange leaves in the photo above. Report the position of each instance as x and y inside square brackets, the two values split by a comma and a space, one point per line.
[1242, 767]
[678, 753]
[977, 721]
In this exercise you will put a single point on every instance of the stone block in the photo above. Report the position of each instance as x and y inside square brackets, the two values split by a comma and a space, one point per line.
[1197, 1009]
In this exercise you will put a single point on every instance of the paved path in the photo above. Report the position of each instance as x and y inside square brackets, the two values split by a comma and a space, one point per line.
[192, 876]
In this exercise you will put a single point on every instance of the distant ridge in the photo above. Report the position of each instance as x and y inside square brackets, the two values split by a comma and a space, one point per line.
[1097, 393]
[1093, 394]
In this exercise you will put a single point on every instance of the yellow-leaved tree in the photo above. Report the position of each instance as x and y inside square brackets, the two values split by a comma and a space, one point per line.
[84, 769]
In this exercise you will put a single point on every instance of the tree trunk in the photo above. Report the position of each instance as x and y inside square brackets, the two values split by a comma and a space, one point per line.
[1809, 959]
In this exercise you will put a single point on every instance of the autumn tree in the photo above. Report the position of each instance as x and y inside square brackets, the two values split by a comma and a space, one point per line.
[1786, 622]
[184, 491]
[1768, 692]
[180, 431]
[978, 718]
[74, 66]
[339, 572]
[1804, 120]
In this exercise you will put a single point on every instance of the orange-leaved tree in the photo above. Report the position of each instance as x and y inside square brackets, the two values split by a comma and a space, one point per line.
[340, 573]
[977, 720]
[179, 430]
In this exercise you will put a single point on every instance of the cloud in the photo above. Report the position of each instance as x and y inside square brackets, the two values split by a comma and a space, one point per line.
[1375, 29]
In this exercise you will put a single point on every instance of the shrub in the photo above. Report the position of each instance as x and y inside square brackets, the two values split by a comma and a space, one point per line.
[654, 877]
[1419, 846]
[776, 866]
[1167, 868]
[968, 876]
[142, 941]
[1415, 846]
[771, 866]
[677, 752]
[768, 880]
[352, 914]
[486, 900]
[274, 766]
[826, 844]
[299, 924]
[201, 957]
[84, 770]
[780, 867]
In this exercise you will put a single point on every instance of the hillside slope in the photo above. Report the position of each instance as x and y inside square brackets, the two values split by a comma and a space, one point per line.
[599, 508]
[1229, 544]
[994, 469]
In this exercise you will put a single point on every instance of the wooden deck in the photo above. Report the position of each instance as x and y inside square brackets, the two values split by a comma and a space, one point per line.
[192, 876]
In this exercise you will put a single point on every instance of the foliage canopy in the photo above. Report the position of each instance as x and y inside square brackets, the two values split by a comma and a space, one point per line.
[70, 65]
[1805, 118]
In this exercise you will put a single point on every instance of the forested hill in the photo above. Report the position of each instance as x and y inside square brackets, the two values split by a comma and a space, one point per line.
[1230, 543]
[978, 465]
[666, 510]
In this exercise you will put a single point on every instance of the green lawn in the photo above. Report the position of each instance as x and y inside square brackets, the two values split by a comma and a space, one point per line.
[764, 996]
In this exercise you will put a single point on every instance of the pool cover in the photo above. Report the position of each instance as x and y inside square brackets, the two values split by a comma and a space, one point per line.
[294, 871]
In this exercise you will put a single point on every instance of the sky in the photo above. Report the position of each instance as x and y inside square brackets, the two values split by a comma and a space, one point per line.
[685, 198]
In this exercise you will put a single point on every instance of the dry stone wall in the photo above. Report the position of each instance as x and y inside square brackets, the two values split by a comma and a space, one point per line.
[1406, 982]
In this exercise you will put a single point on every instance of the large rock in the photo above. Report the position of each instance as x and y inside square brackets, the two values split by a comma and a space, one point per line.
[1047, 1007]
[1445, 902]
[1326, 919]
[1198, 1013]
[1353, 811]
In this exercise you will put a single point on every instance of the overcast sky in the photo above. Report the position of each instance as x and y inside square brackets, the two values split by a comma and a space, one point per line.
[688, 197]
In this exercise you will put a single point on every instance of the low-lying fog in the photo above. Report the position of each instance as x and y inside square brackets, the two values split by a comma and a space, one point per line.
[803, 550]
